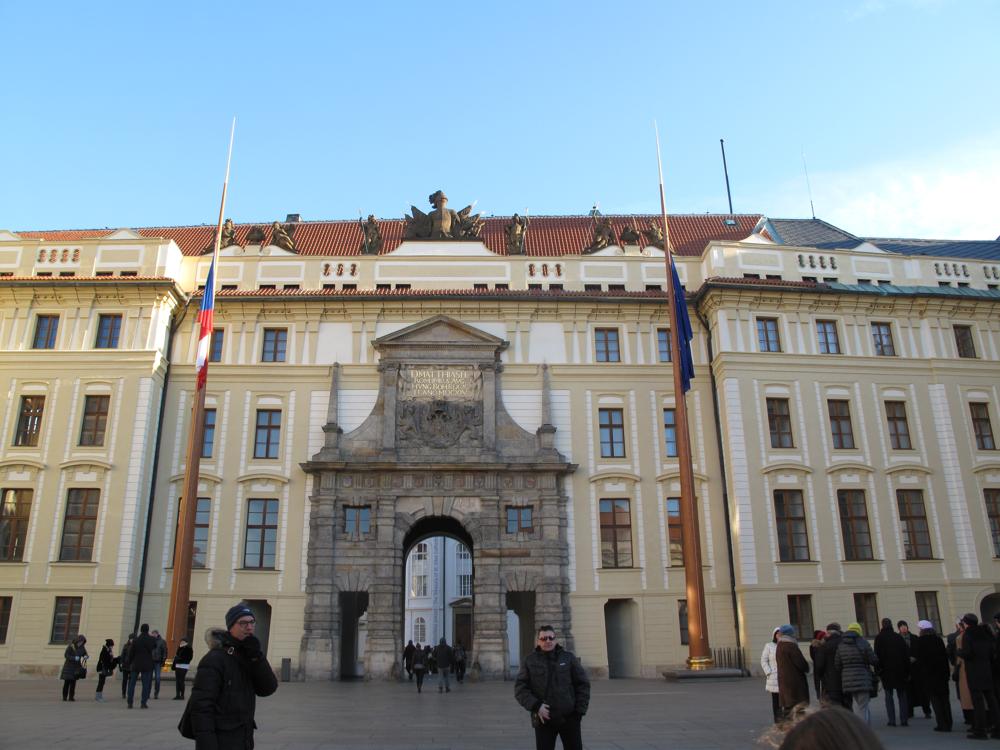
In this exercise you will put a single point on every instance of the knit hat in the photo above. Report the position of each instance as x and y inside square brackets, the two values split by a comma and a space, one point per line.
[925, 625]
[970, 619]
[855, 628]
[787, 629]
[236, 612]
[834, 626]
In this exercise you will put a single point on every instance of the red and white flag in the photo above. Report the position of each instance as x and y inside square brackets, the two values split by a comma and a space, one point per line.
[205, 315]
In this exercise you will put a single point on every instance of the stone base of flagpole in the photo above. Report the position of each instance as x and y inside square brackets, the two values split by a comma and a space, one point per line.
[700, 668]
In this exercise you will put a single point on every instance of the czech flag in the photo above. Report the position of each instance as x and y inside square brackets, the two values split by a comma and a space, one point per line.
[205, 315]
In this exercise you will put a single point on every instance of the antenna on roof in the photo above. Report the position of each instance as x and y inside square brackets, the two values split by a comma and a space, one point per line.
[725, 169]
[808, 186]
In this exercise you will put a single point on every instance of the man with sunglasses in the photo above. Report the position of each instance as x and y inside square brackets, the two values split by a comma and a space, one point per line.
[220, 712]
[554, 687]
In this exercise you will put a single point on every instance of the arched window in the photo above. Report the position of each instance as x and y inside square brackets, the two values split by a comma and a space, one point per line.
[418, 584]
[419, 629]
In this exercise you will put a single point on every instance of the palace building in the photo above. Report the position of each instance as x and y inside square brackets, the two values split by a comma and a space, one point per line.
[504, 383]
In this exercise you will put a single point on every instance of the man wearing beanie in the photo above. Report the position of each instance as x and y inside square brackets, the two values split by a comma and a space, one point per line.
[220, 713]
[935, 671]
[977, 655]
[855, 659]
[894, 660]
[829, 675]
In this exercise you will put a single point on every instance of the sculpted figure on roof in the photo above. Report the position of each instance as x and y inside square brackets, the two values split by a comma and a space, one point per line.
[515, 234]
[654, 233]
[442, 223]
[604, 235]
[371, 236]
[281, 236]
[629, 236]
[228, 234]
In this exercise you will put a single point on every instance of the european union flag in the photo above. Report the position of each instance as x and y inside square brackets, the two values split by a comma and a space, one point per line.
[685, 334]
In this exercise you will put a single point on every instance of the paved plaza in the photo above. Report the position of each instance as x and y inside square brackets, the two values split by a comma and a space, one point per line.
[624, 714]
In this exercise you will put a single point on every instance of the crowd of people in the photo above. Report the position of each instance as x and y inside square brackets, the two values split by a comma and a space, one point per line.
[913, 671]
[442, 660]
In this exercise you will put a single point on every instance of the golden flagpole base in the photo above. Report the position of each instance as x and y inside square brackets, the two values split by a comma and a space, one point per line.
[698, 663]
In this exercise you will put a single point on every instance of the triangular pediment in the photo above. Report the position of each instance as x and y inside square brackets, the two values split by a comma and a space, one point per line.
[124, 234]
[440, 329]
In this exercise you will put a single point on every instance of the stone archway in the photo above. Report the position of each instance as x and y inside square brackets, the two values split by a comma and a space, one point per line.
[438, 445]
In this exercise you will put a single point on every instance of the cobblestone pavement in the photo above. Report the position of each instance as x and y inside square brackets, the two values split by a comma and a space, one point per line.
[624, 714]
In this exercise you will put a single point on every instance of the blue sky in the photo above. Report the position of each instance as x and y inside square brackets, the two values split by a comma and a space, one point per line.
[117, 114]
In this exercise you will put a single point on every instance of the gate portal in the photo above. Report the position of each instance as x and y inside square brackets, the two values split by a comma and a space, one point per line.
[437, 451]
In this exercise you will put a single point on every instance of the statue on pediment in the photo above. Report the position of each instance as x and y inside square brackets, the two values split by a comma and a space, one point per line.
[515, 234]
[629, 236]
[442, 223]
[604, 235]
[654, 233]
[256, 235]
[371, 236]
[281, 236]
[228, 234]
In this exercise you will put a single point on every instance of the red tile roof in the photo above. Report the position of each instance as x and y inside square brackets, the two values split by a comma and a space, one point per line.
[547, 235]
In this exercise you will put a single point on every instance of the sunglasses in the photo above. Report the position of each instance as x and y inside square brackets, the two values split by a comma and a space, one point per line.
[546, 637]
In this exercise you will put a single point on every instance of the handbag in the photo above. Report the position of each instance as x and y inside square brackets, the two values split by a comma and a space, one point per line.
[873, 693]
[81, 673]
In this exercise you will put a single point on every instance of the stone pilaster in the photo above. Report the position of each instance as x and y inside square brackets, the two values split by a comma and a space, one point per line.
[319, 653]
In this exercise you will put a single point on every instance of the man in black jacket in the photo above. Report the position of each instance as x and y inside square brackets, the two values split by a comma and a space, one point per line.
[220, 712]
[932, 665]
[142, 666]
[894, 665]
[826, 670]
[554, 687]
[977, 652]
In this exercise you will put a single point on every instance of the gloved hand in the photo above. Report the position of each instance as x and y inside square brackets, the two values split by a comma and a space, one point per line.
[251, 647]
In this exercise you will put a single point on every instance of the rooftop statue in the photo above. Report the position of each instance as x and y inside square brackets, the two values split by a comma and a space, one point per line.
[515, 234]
[629, 236]
[442, 223]
[281, 236]
[604, 235]
[654, 234]
[371, 236]
[256, 235]
[228, 234]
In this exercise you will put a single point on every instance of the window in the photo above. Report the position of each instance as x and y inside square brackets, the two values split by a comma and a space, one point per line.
[899, 428]
[800, 615]
[128, 273]
[606, 345]
[463, 583]
[95, 420]
[14, 514]
[481, 287]
[208, 437]
[675, 537]
[268, 433]
[109, 327]
[780, 423]
[992, 496]
[202, 519]
[228, 287]
[519, 519]
[790, 515]
[419, 629]
[654, 287]
[6, 604]
[682, 621]
[982, 427]
[266, 287]
[829, 341]
[80, 525]
[357, 520]
[262, 534]
[507, 286]
[854, 525]
[534, 286]
[882, 339]
[215, 348]
[913, 519]
[767, 335]
[590, 287]
[616, 534]
[66, 619]
[840, 424]
[612, 424]
[670, 431]
[552, 287]
[29, 421]
[927, 608]
[418, 584]
[866, 613]
[46, 327]
[964, 342]
[463, 567]
[275, 341]
[663, 344]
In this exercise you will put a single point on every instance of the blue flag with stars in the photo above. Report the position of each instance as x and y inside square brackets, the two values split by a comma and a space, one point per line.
[685, 334]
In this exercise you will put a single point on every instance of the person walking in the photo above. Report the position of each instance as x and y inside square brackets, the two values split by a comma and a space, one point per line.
[825, 666]
[460, 657]
[961, 676]
[74, 667]
[814, 646]
[220, 712]
[977, 653]
[408, 658]
[855, 659]
[894, 662]
[181, 665]
[419, 666]
[159, 656]
[125, 662]
[431, 662]
[769, 664]
[934, 669]
[553, 685]
[793, 686]
[443, 656]
[105, 667]
[142, 667]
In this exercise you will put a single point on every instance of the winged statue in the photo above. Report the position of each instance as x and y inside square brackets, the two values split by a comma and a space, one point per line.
[442, 223]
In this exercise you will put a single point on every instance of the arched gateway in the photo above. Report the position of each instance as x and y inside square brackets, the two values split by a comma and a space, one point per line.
[438, 449]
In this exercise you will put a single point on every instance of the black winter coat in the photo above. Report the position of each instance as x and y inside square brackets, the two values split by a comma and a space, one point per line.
[224, 695]
[74, 658]
[977, 652]
[932, 662]
[893, 658]
[142, 653]
[184, 655]
[443, 656]
[854, 659]
[106, 662]
[570, 686]
[825, 668]
[125, 657]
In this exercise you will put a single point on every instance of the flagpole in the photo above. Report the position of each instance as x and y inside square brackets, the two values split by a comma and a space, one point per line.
[180, 589]
[699, 654]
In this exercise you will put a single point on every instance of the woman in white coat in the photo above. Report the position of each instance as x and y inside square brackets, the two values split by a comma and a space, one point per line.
[769, 664]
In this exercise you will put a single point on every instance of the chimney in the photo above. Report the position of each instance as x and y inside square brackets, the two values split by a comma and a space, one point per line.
[293, 217]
